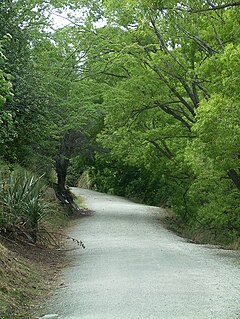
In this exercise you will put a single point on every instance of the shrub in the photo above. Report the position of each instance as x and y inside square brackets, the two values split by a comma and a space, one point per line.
[21, 203]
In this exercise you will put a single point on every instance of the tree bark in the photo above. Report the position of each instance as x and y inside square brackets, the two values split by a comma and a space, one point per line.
[61, 170]
[235, 177]
[66, 149]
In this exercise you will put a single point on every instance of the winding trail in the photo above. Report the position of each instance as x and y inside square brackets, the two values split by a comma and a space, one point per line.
[134, 268]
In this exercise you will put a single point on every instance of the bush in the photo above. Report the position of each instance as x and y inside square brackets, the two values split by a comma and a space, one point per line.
[21, 203]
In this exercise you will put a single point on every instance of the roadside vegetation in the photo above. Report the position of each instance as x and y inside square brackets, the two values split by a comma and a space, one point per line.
[141, 98]
[30, 230]
[22, 204]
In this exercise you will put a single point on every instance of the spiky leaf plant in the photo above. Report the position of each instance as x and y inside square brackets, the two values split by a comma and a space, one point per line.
[21, 202]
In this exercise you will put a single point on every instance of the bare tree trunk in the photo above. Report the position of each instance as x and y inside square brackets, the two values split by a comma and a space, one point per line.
[61, 170]
[235, 177]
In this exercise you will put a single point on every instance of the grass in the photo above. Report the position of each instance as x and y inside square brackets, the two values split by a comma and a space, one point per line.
[27, 275]
[20, 282]
[200, 235]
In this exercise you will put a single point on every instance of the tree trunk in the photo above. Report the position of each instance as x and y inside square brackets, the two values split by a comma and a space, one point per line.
[235, 177]
[61, 170]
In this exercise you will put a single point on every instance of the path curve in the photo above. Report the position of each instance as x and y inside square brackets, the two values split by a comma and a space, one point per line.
[133, 268]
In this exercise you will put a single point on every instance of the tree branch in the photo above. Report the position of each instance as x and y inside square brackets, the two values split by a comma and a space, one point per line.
[67, 19]
[164, 45]
[205, 46]
[164, 151]
[218, 38]
[114, 75]
[145, 108]
[212, 8]
[176, 116]
[172, 89]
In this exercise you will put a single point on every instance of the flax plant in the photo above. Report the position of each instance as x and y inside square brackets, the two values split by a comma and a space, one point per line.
[21, 203]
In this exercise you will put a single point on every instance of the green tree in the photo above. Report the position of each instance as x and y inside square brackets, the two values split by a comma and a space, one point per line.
[6, 119]
[171, 71]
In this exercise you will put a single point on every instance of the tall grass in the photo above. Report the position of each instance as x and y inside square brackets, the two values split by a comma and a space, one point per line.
[21, 203]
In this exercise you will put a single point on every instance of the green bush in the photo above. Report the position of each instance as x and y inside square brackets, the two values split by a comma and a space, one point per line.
[21, 203]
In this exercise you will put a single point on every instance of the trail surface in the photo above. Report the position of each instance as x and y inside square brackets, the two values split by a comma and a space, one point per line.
[134, 268]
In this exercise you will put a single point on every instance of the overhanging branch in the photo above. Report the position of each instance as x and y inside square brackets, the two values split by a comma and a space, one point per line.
[212, 8]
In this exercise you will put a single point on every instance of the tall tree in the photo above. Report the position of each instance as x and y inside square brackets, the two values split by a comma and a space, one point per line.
[163, 95]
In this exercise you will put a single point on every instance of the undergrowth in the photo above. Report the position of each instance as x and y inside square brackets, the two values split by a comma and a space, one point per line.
[22, 203]
[31, 228]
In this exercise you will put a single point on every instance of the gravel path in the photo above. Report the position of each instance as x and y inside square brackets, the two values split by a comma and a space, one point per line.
[134, 268]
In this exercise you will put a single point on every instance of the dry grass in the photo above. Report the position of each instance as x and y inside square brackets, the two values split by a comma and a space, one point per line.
[27, 274]
[19, 283]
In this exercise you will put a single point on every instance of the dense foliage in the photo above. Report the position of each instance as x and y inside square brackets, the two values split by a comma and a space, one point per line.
[143, 96]
[172, 111]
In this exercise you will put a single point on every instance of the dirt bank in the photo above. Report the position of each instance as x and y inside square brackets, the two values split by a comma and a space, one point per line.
[28, 273]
